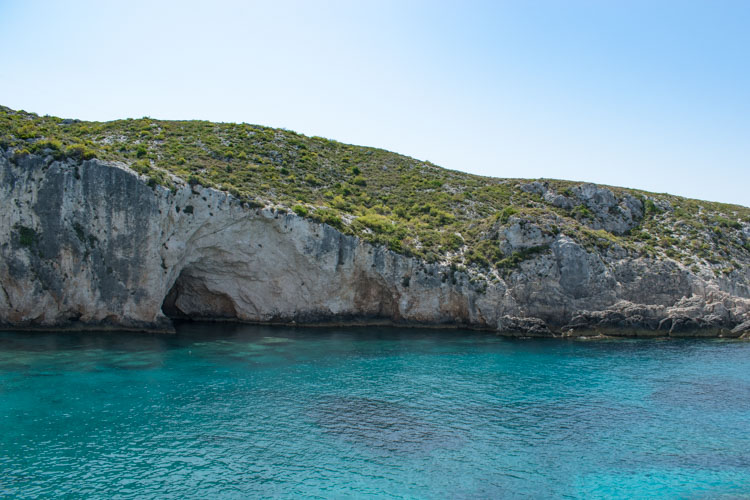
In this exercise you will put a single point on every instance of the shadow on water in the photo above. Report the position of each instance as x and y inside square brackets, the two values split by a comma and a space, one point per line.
[379, 425]
[146, 350]
[706, 395]
[189, 331]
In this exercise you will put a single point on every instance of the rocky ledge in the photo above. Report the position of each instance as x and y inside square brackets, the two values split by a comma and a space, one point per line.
[90, 244]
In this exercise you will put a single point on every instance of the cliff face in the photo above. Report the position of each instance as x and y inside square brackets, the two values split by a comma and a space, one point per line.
[91, 244]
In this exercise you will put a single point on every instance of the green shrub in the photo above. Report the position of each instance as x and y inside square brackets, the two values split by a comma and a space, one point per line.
[517, 257]
[505, 213]
[453, 241]
[484, 254]
[328, 216]
[53, 145]
[28, 131]
[79, 152]
[376, 222]
[20, 153]
[300, 210]
[650, 208]
[141, 166]
[340, 203]
[582, 212]
[359, 181]
[724, 222]
[312, 180]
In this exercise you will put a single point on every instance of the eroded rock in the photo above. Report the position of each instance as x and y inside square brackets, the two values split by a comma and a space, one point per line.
[90, 244]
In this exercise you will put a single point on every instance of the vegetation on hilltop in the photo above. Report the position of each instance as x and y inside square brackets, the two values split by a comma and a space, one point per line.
[412, 206]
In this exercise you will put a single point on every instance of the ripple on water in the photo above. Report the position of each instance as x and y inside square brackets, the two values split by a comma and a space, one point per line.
[238, 411]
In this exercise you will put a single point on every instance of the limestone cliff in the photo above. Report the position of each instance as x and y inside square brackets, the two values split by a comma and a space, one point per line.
[87, 243]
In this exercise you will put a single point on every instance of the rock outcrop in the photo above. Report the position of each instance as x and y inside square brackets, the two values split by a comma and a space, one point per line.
[89, 244]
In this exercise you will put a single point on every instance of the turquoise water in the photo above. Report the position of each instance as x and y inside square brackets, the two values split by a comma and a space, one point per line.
[242, 411]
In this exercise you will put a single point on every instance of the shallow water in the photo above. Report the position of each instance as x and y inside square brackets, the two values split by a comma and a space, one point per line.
[243, 411]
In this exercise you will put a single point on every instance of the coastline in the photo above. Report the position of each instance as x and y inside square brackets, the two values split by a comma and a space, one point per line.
[582, 334]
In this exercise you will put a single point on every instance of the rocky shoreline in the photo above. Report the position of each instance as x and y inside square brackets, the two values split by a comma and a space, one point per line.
[513, 327]
[90, 244]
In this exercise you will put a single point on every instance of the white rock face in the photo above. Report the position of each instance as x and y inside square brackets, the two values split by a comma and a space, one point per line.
[90, 244]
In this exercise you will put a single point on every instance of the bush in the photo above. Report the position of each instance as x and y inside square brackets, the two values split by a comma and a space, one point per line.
[53, 145]
[328, 216]
[142, 167]
[340, 203]
[359, 181]
[520, 256]
[28, 132]
[312, 180]
[377, 223]
[506, 212]
[79, 152]
[395, 245]
[453, 241]
[582, 212]
[484, 253]
[20, 153]
[724, 222]
[442, 217]
[300, 210]
[650, 208]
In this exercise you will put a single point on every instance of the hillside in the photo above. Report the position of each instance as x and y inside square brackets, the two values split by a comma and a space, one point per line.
[413, 207]
[555, 251]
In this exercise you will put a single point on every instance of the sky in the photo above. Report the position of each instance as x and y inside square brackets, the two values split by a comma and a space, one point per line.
[653, 95]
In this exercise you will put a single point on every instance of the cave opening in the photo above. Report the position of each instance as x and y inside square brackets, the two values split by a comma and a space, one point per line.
[193, 298]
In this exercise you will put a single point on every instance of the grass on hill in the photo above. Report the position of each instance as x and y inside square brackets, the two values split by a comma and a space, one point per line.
[412, 206]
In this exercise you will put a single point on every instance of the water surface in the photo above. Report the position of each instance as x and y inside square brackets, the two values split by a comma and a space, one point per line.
[243, 411]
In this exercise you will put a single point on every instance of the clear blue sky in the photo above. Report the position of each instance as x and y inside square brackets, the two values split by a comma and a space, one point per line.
[652, 95]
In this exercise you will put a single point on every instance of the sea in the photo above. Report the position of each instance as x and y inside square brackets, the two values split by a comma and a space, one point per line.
[222, 410]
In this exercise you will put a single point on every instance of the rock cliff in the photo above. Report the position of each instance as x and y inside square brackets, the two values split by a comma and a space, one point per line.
[92, 244]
